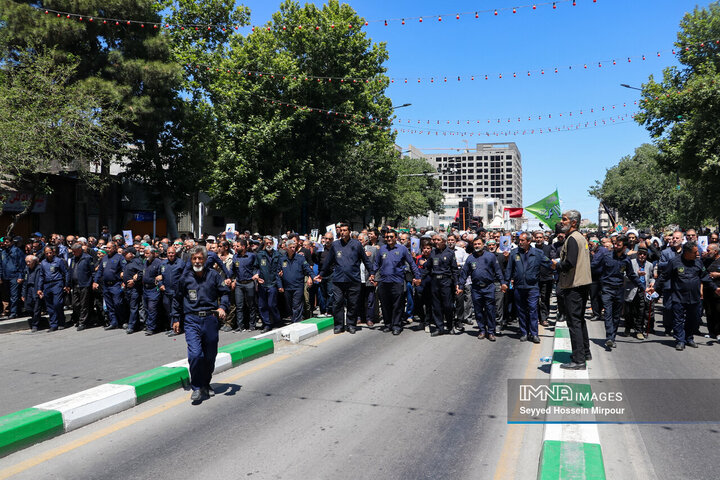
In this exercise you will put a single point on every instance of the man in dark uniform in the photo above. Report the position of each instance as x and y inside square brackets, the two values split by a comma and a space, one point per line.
[243, 269]
[613, 268]
[343, 260]
[132, 281]
[484, 271]
[151, 292]
[13, 272]
[501, 311]
[710, 298]
[443, 268]
[293, 270]
[684, 275]
[325, 287]
[523, 269]
[29, 291]
[81, 273]
[390, 263]
[546, 279]
[109, 273]
[673, 250]
[423, 292]
[168, 279]
[197, 298]
[267, 265]
[596, 249]
[52, 283]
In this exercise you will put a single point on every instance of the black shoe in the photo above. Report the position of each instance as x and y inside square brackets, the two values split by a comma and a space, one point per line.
[384, 329]
[436, 333]
[679, 346]
[491, 337]
[111, 327]
[573, 366]
[594, 318]
[34, 330]
[61, 327]
[125, 325]
[198, 395]
[52, 329]
[523, 338]
[397, 332]
[266, 329]
[534, 339]
[149, 332]
[351, 329]
[481, 336]
[10, 317]
[588, 357]
[459, 328]
[226, 328]
[210, 391]
[80, 328]
[692, 344]
[609, 344]
[338, 329]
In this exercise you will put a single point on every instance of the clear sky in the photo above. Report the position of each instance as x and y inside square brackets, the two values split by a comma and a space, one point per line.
[529, 40]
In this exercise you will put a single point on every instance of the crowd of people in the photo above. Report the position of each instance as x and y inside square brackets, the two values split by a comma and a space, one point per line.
[438, 281]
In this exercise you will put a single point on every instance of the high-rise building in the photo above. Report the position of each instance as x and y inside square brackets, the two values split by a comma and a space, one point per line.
[492, 170]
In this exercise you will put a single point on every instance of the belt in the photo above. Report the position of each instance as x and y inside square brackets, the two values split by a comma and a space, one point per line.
[441, 276]
[245, 281]
[109, 284]
[204, 313]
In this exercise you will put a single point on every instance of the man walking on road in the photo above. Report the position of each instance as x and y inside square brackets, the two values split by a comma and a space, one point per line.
[197, 299]
[575, 280]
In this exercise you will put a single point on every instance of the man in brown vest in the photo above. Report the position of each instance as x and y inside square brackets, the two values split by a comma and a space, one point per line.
[575, 279]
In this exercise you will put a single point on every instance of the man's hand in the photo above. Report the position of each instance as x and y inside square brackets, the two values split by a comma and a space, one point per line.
[228, 282]
[504, 288]
[458, 290]
[280, 273]
[158, 278]
[258, 279]
[221, 314]
[95, 286]
[234, 284]
[162, 288]
[129, 284]
[309, 282]
[318, 278]
[19, 280]
[134, 277]
[416, 282]
[717, 291]
[650, 290]
[506, 253]
[40, 294]
[176, 327]
[281, 290]
[66, 289]
[371, 279]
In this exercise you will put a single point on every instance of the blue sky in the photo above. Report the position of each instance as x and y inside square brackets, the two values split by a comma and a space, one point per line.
[515, 43]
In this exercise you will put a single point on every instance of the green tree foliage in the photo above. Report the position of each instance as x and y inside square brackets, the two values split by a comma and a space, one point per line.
[646, 196]
[416, 190]
[50, 124]
[681, 111]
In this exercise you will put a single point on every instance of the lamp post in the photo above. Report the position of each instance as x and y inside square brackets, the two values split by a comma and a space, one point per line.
[630, 87]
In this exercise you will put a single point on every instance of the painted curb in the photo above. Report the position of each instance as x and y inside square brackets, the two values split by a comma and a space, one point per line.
[569, 451]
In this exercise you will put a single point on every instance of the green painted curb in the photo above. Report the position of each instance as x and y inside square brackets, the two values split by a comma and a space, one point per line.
[561, 356]
[322, 323]
[561, 332]
[23, 428]
[154, 382]
[248, 349]
[571, 460]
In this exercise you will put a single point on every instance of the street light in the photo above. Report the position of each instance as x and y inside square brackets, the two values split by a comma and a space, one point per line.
[628, 86]
[402, 106]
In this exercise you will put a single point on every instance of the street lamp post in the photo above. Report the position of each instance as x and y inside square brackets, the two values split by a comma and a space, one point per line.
[630, 87]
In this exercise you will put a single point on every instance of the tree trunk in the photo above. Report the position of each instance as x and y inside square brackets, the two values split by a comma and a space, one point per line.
[26, 211]
[172, 229]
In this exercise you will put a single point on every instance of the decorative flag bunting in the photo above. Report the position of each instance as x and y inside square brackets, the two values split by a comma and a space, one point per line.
[547, 210]
[494, 12]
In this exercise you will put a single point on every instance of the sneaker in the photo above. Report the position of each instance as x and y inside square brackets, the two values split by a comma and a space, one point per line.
[609, 344]
[226, 328]
[427, 330]
[679, 346]
[34, 330]
[210, 391]
[640, 336]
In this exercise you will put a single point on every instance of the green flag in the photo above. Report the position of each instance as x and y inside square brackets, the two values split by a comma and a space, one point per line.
[547, 210]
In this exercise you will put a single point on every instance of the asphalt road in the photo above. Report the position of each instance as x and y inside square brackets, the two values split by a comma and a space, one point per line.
[370, 406]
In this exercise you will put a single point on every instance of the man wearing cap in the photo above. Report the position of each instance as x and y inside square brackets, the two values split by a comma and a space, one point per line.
[52, 282]
[109, 273]
[293, 270]
[636, 305]
[442, 266]
[198, 295]
[13, 272]
[501, 304]
[81, 273]
[674, 249]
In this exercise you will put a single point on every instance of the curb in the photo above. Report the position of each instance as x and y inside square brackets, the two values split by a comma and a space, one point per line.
[23, 323]
[569, 451]
[41, 422]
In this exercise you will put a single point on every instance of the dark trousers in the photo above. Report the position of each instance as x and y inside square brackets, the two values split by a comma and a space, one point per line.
[484, 304]
[368, 303]
[33, 304]
[526, 302]
[53, 296]
[668, 310]
[346, 293]
[167, 298]
[423, 301]
[409, 301]
[443, 297]
[687, 321]
[636, 312]
[245, 298]
[325, 297]
[267, 301]
[500, 306]
[392, 300]
[81, 303]
[546, 287]
[112, 294]
[712, 311]
[575, 300]
[596, 299]
[561, 310]
[151, 302]
[132, 300]
[613, 299]
[14, 296]
[295, 301]
[201, 335]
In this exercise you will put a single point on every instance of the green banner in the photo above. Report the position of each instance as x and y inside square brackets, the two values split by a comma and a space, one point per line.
[547, 210]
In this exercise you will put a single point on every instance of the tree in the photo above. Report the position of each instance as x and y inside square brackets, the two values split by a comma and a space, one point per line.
[681, 110]
[646, 196]
[416, 190]
[291, 166]
[50, 125]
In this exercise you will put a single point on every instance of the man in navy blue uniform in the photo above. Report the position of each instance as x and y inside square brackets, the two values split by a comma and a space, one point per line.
[197, 298]
[108, 273]
[683, 276]
[168, 279]
[523, 269]
[151, 292]
[613, 268]
[29, 291]
[81, 273]
[267, 263]
[13, 272]
[673, 250]
[243, 269]
[484, 271]
[343, 259]
[442, 266]
[390, 263]
[132, 292]
[52, 283]
[293, 270]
